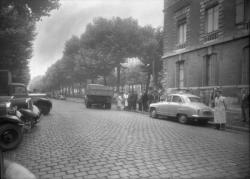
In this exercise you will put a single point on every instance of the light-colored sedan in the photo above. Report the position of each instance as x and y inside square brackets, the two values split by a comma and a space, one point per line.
[184, 107]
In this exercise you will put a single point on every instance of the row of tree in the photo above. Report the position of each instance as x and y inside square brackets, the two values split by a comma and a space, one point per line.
[17, 27]
[99, 53]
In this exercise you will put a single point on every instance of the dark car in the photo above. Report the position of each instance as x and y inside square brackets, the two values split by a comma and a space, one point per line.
[11, 126]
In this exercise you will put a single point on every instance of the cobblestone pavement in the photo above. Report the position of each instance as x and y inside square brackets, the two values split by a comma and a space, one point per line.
[75, 142]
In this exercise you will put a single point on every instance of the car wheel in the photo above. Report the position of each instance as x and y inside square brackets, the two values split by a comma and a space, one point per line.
[153, 113]
[10, 136]
[182, 119]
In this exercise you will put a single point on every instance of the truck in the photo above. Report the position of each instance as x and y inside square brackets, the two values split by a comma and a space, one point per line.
[97, 94]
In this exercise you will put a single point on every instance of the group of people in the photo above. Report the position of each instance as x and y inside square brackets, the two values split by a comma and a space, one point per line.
[133, 101]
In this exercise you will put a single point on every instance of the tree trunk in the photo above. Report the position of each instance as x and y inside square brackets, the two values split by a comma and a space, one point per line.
[118, 77]
[148, 81]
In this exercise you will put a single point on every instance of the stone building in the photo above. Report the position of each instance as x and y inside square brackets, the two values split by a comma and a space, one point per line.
[206, 45]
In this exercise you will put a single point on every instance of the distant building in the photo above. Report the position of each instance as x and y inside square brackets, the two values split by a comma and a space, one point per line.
[206, 45]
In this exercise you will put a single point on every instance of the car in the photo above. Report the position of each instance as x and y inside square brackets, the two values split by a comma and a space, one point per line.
[184, 107]
[61, 97]
[42, 101]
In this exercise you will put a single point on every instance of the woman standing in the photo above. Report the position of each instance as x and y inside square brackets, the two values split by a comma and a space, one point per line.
[220, 110]
[119, 101]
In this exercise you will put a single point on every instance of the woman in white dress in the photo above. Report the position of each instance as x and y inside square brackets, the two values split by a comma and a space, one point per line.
[119, 102]
[220, 110]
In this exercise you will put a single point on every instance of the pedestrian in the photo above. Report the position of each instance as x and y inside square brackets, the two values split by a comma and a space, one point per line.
[119, 100]
[139, 101]
[145, 101]
[134, 100]
[220, 110]
[125, 98]
[130, 101]
[245, 105]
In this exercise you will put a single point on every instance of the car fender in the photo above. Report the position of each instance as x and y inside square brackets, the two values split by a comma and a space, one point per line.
[43, 101]
[9, 119]
[188, 111]
[27, 114]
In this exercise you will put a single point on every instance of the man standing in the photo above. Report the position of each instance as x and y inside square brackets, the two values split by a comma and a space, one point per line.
[145, 101]
[245, 105]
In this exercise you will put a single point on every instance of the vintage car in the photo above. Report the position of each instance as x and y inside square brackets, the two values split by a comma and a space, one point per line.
[11, 126]
[42, 101]
[182, 106]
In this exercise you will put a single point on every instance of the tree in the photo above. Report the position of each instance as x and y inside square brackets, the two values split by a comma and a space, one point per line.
[17, 32]
[150, 53]
[118, 39]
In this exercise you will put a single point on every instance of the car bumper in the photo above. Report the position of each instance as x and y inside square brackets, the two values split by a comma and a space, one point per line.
[201, 118]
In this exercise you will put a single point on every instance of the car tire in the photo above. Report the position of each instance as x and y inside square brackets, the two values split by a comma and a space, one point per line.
[10, 136]
[182, 118]
[153, 113]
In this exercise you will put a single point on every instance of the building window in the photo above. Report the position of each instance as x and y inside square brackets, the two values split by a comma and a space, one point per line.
[240, 10]
[210, 70]
[212, 19]
[180, 74]
[182, 32]
[245, 66]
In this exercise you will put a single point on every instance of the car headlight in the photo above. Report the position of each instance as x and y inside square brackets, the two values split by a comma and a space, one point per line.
[8, 105]
[11, 110]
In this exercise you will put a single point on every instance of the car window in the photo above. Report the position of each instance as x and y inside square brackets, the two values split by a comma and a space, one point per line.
[168, 99]
[19, 90]
[176, 99]
[194, 99]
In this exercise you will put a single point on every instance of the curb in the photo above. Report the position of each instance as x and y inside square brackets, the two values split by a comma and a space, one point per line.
[210, 124]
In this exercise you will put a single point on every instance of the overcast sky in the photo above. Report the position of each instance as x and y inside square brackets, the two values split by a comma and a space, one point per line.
[73, 16]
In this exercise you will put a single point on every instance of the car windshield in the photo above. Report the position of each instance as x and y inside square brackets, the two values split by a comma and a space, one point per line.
[19, 90]
[194, 99]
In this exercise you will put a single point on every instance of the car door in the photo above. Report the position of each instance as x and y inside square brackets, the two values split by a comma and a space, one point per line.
[174, 105]
[164, 107]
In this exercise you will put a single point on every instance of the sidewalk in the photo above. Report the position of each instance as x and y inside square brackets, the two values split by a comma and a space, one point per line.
[234, 120]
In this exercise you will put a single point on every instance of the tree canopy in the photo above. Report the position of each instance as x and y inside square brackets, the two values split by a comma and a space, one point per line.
[102, 49]
[17, 33]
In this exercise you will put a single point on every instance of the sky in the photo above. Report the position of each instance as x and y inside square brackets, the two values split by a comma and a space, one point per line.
[73, 16]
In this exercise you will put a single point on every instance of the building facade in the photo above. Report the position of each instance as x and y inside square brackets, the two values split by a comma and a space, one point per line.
[206, 46]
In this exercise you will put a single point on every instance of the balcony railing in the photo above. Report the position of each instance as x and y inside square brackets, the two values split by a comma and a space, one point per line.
[211, 36]
[181, 46]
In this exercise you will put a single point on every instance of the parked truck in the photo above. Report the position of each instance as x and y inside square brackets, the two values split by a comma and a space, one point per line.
[97, 94]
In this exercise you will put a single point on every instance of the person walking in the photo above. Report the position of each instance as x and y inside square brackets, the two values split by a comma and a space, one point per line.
[220, 110]
[245, 105]
[139, 101]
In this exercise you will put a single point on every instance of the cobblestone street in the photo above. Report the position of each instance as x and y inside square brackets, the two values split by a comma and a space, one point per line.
[75, 142]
